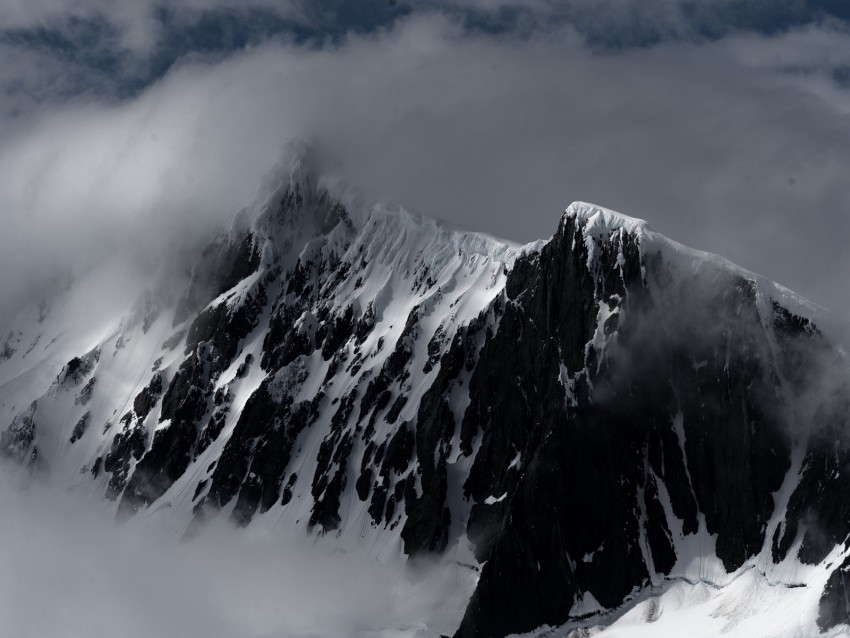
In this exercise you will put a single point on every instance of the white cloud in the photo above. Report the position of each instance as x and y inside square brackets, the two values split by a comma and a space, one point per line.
[66, 570]
[713, 143]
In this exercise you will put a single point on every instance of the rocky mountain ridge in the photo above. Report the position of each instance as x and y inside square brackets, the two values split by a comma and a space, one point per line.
[580, 420]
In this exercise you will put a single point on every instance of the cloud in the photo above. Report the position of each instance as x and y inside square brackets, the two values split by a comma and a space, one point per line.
[67, 570]
[736, 145]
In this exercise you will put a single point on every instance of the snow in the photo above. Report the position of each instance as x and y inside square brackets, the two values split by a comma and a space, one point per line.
[600, 224]
[585, 605]
[401, 261]
[599, 221]
[750, 605]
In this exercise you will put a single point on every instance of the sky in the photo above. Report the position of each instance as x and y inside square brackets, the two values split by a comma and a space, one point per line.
[130, 127]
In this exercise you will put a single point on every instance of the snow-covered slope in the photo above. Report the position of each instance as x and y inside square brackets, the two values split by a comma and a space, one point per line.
[603, 427]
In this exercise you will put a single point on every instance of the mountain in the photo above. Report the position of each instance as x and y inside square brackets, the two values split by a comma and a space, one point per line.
[588, 423]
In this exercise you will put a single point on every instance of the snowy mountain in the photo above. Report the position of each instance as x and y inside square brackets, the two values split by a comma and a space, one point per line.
[605, 428]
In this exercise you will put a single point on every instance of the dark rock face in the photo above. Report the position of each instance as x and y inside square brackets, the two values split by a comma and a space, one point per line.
[80, 428]
[183, 404]
[78, 369]
[8, 350]
[17, 442]
[127, 446]
[130, 443]
[597, 407]
[428, 516]
[692, 403]
[215, 425]
[86, 392]
[256, 456]
[212, 344]
[833, 605]
[148, 397]
[331, 474]
[818, 510]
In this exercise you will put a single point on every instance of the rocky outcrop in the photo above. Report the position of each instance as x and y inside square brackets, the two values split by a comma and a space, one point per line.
[17, 442]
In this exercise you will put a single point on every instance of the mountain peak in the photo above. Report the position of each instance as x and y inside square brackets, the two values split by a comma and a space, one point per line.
[597, 220]
[350, 369]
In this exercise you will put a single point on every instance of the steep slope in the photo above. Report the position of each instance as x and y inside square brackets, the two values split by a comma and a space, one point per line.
[583, 420]
[662, 414]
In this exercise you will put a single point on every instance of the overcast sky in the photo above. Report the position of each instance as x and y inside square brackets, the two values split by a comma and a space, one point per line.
[125, 124]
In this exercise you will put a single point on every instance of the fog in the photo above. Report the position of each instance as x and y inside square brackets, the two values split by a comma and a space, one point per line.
[77, 573]
[700, 332]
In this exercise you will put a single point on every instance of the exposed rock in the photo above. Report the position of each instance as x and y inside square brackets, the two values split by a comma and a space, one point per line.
[590, 460]
[86, 392]
[17, 442]
[255, 458]
[77, 369]
[127, 446]
[80, 428]
[556, 412]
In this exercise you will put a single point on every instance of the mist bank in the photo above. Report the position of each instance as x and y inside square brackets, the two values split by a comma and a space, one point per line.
[69, 570]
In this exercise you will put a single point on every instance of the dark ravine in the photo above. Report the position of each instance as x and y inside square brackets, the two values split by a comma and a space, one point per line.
[602, 391]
